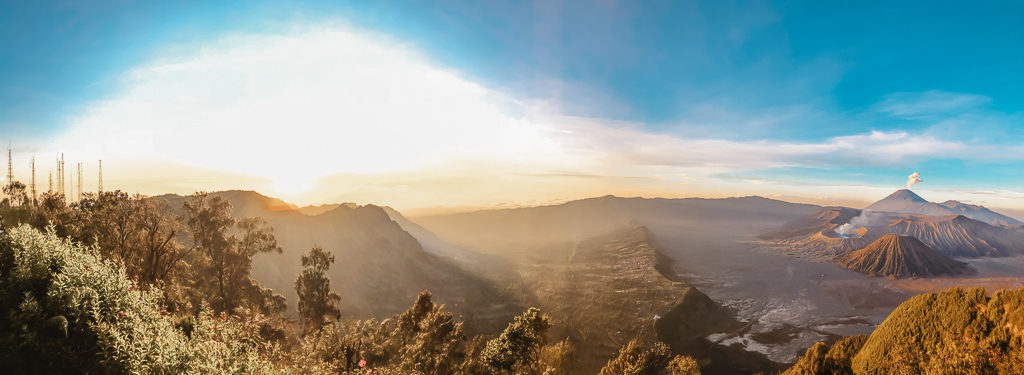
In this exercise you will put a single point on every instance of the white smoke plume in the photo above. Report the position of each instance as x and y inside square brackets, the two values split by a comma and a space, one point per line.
[866, 218]
[913, 179]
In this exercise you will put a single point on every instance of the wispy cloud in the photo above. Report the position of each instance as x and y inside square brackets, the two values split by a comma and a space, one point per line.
[633, 146]
[929, 104]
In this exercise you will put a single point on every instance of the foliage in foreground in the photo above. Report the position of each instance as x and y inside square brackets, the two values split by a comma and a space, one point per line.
[823, 360]
[201, 254]
[956, 331]
[636, 359]
[64, 309]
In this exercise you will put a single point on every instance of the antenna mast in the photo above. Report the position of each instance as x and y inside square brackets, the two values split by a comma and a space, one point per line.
[79, 181]
[51, 182]
[63, 188]
[60, 190]
[101, 177]
[10, 166]
[33, 180]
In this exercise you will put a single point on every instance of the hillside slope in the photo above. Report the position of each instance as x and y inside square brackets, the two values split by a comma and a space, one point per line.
[956, 331]
[899, 256]
[379, 267]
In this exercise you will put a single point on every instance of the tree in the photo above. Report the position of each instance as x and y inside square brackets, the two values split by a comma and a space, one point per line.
[159, 248]
[812, 362]
[636, 359]
[517, 349]
[427, 339]
[14, 193]
[683, 365]
[256, 237]
[110, 221]
[558, 358]
[316, 300]
[139, 232]
[13, 208]
[53, 210]
[226, 265]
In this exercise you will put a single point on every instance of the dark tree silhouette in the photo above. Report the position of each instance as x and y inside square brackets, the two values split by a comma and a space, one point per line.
[316, 300]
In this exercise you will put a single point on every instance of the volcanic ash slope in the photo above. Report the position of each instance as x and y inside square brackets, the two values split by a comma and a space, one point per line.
[899, 256]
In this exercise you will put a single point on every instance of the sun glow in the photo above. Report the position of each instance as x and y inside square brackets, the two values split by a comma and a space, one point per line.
[295, 108]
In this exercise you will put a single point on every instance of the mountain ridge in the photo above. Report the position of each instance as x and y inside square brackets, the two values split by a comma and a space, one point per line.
[899, 256]
[379, 268]
[907, 202]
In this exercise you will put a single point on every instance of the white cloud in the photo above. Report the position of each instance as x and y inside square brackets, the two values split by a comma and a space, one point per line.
[303, 106]
[299, 107]
[631, 146]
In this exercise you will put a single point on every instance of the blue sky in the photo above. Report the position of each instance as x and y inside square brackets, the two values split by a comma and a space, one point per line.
[768, 73]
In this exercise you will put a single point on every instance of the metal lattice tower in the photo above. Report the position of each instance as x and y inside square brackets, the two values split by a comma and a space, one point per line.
[33, 180]
[63, 190]
[50, 190]
[101, 177]
[10, 166]
[59, 189]
[79, 181]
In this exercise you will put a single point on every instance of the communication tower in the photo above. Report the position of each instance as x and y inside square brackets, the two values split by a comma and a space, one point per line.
[33, 180]
[79, 181]
[10, 166]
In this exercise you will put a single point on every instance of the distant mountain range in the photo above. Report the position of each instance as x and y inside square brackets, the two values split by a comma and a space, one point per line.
[815, 236]
[576, 220]
[902, 235]
[907, 202]
[961, 236]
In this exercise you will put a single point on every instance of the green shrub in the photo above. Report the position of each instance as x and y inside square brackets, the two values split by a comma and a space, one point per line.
[637, 359]
[956, 331]
[425, 339]
[518, 348]
[820, 359]
[63, 309]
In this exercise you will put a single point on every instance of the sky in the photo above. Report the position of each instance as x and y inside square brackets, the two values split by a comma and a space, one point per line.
[450, 105]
